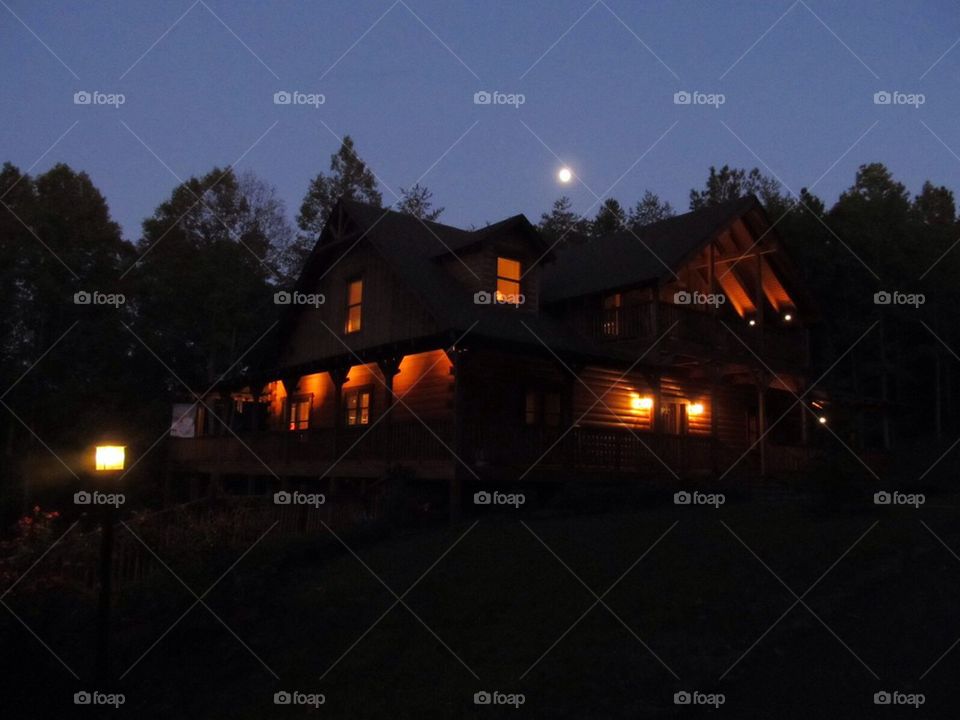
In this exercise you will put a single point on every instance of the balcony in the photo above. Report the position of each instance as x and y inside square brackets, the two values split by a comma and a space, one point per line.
[699, 333]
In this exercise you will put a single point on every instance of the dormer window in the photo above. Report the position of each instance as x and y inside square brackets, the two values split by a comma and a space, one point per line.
[508, 280]
[354, 305]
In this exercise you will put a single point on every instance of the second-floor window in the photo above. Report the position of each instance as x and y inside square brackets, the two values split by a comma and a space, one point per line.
[356, 407]
[354, 305]
[508, 280]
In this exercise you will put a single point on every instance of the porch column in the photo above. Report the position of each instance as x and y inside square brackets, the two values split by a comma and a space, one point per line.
[458, 358]
[339, 375]
[572, 456]
[389, 366]
[714, 371]
[762, 422]
[257, 390]
[804, 428]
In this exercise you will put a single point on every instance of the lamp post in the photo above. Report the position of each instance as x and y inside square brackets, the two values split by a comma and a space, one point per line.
[109, 463]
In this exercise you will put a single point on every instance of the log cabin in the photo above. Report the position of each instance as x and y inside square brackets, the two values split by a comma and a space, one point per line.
[488, 356]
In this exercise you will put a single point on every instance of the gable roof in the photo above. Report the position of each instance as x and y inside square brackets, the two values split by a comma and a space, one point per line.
[650, 253]
[414, 250]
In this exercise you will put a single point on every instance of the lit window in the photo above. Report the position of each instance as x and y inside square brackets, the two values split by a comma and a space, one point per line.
[508, 280]
[298, 412]
[356, 408]
[354, 302]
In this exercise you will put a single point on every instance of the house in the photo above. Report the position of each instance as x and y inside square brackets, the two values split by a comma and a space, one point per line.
[487, 356]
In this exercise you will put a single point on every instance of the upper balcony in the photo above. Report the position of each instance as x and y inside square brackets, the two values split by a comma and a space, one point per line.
[700, 333]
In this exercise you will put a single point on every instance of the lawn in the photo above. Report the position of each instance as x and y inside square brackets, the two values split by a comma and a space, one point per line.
[502, 602]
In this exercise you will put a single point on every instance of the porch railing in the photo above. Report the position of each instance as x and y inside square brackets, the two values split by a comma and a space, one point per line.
[694, 329]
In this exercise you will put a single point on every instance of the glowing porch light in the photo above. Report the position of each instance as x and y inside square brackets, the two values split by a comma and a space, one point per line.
[110, 457]
[787, 317]
[695, 408]
[641, 403]
[751, 322]
[822, 419]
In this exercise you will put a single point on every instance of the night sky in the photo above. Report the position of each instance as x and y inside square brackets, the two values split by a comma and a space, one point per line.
[598, 80]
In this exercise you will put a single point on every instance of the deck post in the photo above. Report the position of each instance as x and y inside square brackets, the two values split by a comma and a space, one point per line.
[762, 423]
[339, 375]
[457, 357]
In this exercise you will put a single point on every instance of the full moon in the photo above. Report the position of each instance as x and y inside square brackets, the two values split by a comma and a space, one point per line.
[565, 175]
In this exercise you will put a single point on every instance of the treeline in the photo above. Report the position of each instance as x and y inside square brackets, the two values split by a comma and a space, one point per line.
[99, 332]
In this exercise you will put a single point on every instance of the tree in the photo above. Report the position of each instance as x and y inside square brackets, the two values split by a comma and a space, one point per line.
[205, 283]
[562, 225]
[935, 205]
[58, 247]
[732, 183]
[349, 178]
[610, 218]
[649, 209]
[418, 201]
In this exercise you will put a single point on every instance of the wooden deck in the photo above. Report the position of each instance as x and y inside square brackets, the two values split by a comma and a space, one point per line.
[698, 332]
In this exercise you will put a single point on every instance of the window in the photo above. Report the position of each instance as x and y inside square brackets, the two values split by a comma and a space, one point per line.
[356, 407]
[508, 281]
[298, 412]
[675, 418]
[354, 302]
[543, 408]
[611, 314]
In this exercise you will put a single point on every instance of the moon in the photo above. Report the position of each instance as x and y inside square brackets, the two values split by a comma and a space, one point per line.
[565, 175]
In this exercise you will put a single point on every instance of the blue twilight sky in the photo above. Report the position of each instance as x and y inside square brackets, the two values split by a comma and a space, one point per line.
[598, 80]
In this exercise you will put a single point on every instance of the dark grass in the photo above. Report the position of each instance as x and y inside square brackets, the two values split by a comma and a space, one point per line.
[500, 599]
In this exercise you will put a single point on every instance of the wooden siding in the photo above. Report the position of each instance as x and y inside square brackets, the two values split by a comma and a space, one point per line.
[425, 385]
[478, 269]
[390, 311]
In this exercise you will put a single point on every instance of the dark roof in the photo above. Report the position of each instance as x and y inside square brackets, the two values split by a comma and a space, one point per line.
[632, 258]
[414, 248]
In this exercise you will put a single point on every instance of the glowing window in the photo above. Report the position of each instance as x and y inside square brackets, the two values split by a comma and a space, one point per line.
[508, 280]
[354, 303]
[298, 412]
[356, 407]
